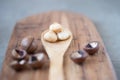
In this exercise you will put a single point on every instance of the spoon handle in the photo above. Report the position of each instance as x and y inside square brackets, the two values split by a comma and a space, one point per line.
[56, 69]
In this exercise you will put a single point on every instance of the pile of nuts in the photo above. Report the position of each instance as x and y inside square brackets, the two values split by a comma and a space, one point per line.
[24, 56]
[56, 33]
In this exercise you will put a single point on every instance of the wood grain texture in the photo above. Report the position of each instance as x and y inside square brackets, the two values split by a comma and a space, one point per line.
[97, 67]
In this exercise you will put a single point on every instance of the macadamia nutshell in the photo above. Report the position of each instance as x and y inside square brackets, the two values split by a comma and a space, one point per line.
[79, 56]
[55, 27]
[63, 35]
[29, 44]
[19, 54]
[50, 36]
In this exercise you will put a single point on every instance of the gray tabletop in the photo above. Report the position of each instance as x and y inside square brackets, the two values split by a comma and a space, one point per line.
[104, 13]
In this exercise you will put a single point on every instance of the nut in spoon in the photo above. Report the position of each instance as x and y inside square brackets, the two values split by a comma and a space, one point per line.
[55, 53]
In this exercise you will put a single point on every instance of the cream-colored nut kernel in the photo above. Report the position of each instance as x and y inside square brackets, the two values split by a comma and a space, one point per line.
[63, 35]
[50, 36]
[55, 27]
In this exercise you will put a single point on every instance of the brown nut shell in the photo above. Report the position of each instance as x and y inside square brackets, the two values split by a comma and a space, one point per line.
[19, 54]
[29, 44]
[92, 47]
[37, 60]
[33, 47]
[18, 65]
[79, 56]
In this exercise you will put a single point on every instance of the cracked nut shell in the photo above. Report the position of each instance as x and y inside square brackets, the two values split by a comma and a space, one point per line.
[37, 60]
[18, 65]
[92, 47]
[19, 54]
[79, 56]
[29, 44]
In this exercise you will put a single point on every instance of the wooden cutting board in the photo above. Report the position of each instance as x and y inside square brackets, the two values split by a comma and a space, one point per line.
[97, 67]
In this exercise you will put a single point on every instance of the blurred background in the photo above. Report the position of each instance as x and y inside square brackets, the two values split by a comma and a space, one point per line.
[104, 13]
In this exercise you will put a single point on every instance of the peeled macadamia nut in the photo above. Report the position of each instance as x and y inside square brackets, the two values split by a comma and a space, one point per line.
[55, 27]
[50, 36]
[63, 35]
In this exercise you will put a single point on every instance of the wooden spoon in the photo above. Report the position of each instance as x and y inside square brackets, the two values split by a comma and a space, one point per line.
[55, 53]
